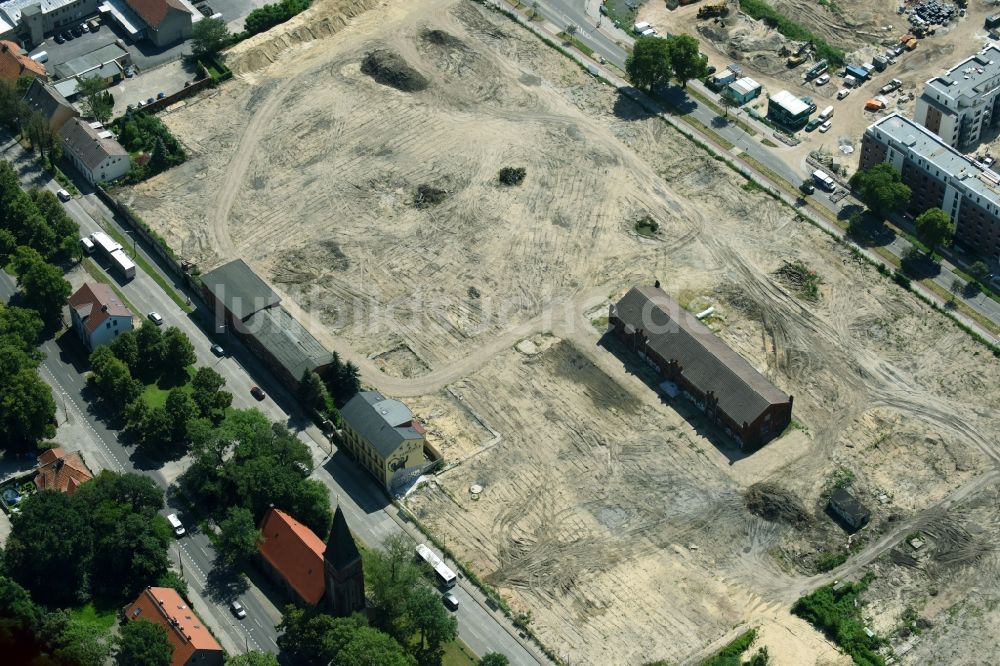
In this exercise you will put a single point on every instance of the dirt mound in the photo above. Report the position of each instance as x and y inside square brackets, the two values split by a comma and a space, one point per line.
[442, 38]
[389, 69]
[323, 19]
[773, 503]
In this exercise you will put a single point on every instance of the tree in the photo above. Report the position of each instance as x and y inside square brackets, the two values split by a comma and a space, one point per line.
[313, 394]
[182, 410]
[571, 30]
[178, 352]
[728, 102]
[160, 159]
[343, 380]
[934, 228]
[151, 349]
[50, 535]
[73, 642]
[126, 349]
[155, 432]
[881, 188]
[143, 643]
[686, 60]
[307, 635]
[112, 380]
[238, 536]
[391, 576]
[494, 659]
[27, 410]
[208, 36]
[45, 290]
[207, 394]
[96, 103]
[649, 64]
[253, 658]
[369, 646]
[956, 288]
[978, 271]
[428, 618]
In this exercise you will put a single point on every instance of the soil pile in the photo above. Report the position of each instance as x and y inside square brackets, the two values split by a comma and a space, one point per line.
[389, 69]
[442, 38]
[775, 504]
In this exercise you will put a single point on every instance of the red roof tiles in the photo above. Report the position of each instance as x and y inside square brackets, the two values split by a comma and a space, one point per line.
[296, 553]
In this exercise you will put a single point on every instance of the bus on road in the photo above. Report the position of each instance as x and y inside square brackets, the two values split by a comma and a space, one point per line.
[446, 577]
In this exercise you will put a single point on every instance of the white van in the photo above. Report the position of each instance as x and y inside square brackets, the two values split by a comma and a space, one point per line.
[88, 245]
[175, 523]
[41, 56]
[843, 92]
[826, 114]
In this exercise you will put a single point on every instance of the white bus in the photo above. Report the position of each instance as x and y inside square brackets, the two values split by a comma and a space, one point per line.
[446, 577]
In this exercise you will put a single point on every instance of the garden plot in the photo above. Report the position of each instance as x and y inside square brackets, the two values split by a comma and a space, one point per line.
[379, 215]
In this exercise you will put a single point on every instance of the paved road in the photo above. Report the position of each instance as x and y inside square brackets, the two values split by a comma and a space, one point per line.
[369, 512]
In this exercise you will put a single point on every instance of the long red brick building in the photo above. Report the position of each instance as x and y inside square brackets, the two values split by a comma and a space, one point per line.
[720, 382]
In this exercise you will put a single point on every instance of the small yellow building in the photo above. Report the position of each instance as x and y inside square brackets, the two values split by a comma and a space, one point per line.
[384, 437]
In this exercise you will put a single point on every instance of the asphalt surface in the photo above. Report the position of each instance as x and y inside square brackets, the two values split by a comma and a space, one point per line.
[369, 512]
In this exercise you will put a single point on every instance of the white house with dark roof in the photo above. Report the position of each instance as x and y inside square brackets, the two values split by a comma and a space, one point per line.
[384, 436]
[98, 315]
[93, 150]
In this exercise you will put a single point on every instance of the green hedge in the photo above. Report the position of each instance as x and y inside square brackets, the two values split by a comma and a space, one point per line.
[762, 11]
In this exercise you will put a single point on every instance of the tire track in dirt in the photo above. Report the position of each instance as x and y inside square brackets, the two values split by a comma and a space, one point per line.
[239, 164]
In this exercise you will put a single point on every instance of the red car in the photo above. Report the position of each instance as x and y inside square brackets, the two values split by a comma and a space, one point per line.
[257, 393]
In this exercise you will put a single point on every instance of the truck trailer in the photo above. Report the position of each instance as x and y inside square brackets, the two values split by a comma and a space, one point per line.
[122, 262]
[104, 243]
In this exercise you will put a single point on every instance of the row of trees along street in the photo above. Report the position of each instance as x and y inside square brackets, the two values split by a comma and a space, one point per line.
[655, 61]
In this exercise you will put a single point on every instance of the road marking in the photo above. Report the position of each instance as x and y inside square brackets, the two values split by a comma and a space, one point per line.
[67, 401]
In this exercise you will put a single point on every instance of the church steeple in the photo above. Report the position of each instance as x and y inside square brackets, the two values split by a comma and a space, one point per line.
[345, 580]
[340, 547]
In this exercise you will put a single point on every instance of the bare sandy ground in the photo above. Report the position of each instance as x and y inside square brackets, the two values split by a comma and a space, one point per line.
[615, 519]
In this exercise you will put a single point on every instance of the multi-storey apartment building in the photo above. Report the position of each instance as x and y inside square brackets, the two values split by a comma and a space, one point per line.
[963, 103]
[941, 177]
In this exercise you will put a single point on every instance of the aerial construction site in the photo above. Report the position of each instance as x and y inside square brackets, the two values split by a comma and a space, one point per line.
[357, 172]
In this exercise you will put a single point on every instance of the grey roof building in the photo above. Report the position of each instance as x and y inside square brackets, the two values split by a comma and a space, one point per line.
[849, 510]
[46, 100]
[288, 342]
[383, 436]
[108, 62]
[94, 150]
[962, 103]
[251, 309]
[686, 352]
[238, 289]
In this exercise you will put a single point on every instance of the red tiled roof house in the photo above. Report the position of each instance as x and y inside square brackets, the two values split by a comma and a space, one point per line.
[61, 471]
[14, 63]
[98, 315]
[193, 642]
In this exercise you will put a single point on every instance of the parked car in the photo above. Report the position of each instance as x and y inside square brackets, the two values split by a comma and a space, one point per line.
[825, 127]
[823, 79]
[218, 350]
[67, 35]
[95, 24]
[161, 95]
[155, 318]
[256, 392]
[238, 609]
[75, 30]
[63, 195]
[807, 187]
[813, 124]
[84, 27]
[175, 523]
[450, 601]
[58, 39]
[149, 101]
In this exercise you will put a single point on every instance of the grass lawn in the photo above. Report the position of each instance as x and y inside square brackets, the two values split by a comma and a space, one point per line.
[458, 653]
[96, 613]
[155, 395]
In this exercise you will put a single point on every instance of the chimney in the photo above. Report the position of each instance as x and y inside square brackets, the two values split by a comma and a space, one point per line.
[104, 308]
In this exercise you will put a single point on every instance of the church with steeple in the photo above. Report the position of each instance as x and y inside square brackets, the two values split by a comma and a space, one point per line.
[309, 570]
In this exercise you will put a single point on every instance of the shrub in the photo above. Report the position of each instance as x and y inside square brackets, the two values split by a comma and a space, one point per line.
[269, 16]
[512, 175]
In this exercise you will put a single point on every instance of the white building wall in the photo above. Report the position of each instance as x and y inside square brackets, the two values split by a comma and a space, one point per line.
[109, 330]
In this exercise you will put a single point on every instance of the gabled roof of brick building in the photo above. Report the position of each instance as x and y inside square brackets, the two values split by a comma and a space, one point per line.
[94, 303]
[705, 361]
[154, 11]
[295, 552]
[15, 64]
